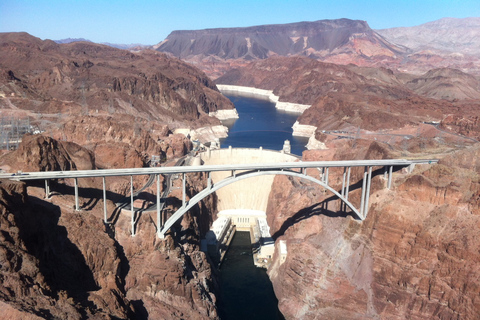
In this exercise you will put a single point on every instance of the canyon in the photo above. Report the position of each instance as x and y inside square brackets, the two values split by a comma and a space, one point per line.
[364, 94]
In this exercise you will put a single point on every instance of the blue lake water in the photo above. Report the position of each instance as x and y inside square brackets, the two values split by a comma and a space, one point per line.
[260, 124]
[247, 292]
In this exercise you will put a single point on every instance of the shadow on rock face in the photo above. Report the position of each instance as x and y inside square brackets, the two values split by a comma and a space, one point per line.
[60, 261]
[321, 208]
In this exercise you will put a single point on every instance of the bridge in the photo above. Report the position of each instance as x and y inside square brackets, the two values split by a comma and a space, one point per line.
[236, 172]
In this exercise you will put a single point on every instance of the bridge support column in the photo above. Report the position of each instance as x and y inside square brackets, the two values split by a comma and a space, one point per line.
[77, 207]
[159, 218]
[47, 189]
[105, 219]
[367, 195]
[348, 183]
[390, 172]
[209, 180]
[131, 207]
[362, 199]
[183, 190]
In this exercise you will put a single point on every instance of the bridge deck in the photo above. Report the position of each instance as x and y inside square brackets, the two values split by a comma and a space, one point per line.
[238, 171]
[208, 168]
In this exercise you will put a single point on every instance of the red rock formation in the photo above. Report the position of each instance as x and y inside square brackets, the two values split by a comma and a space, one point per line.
[40, 153]
[415, 256]
[349, 97]
[61, 263]
[56, 265]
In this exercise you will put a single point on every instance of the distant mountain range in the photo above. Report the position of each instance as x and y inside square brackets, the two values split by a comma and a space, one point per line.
[447, 34]
[133, 46]
[448, 42]
[443, 43]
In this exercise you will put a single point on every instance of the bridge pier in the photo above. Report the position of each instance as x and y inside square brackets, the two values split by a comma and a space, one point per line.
[47, 189]
[77, 206]
[390, 173]
[159, 218]
[105, 219]
[367, 196]
[183, 189]
[131, 207]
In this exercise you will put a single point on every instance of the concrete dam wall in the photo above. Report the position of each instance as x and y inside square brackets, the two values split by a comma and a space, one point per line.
[251, 193]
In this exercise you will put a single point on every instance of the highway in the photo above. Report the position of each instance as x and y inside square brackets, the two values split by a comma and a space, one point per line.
[22, 176]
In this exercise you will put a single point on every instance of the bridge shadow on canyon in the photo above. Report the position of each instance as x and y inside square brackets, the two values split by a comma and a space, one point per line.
[60, 260]
[321, 208]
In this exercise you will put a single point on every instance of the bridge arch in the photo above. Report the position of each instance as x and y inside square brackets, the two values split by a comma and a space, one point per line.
[211, 188]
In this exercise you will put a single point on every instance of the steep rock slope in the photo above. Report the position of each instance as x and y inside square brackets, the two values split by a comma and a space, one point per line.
[56, 262]
[415, 256]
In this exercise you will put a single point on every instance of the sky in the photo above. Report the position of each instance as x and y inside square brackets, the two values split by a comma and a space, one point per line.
[149, 22]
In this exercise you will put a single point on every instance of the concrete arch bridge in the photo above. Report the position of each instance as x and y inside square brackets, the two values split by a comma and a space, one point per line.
[231, 174]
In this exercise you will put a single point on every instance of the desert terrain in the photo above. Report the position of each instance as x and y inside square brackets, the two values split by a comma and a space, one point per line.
[373, 95]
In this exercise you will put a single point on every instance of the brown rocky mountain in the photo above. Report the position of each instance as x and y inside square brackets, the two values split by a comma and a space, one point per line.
[446, 43]
[107, 108]
[352, 97]
[313, 39]
[215, 50]
[82, 77]
[105, 98]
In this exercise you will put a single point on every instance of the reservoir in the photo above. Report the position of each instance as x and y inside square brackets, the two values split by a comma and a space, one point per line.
[260, 124]
[247, 292]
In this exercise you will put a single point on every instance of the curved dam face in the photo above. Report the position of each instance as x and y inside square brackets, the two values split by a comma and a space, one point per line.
[249, 194]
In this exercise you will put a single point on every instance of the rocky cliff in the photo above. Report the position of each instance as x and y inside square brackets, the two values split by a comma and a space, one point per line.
[414, 257]
[59, 263]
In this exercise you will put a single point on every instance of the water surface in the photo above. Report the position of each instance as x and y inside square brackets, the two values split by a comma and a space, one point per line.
[247, 292]
[260, 124]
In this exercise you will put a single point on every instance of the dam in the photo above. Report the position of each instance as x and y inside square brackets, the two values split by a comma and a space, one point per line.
[242, 206]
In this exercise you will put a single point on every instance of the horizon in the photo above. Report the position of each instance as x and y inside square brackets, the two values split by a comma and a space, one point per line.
[145, 22]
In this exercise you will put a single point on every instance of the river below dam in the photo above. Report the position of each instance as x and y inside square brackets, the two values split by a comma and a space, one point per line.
[260, 124]
[247, 292]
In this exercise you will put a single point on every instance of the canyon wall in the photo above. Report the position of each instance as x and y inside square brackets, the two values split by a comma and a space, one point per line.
[57, 262]
[415, 256]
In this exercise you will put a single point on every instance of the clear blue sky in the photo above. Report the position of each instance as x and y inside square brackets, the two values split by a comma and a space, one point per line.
[149, 21]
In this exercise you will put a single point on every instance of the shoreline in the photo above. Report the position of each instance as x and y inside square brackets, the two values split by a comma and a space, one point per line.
[299, 130]
[265, 94]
